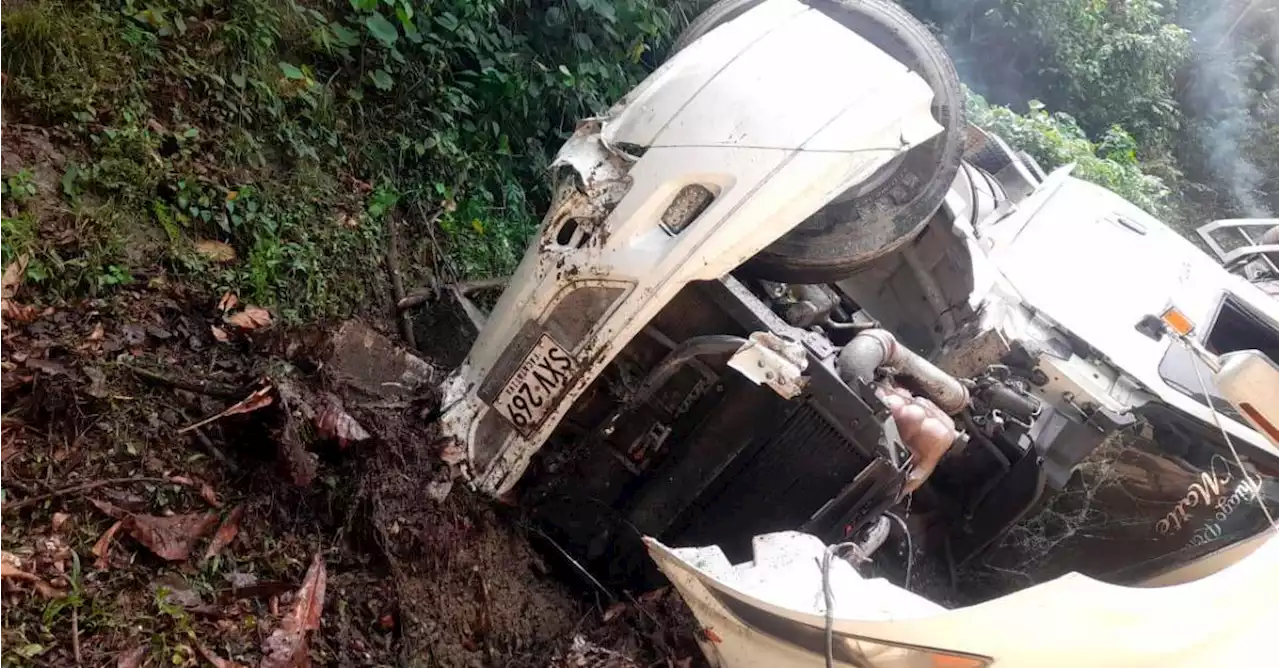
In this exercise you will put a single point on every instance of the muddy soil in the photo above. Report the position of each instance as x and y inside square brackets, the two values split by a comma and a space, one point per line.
[99, 398]
[176, 462]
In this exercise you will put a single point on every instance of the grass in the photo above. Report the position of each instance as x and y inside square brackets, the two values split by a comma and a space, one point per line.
[292, 131]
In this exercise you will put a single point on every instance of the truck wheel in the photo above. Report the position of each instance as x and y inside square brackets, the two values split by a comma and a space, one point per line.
[889, 208]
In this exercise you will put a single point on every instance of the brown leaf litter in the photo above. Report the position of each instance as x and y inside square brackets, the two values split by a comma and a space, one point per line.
[226, 533]
[215, 251]
[252, 317]
[261, 398]
[132, 658]
[170, 538]
[11, 569]
[217, 661]
[336, 423]
[287, 646]
[102, 548]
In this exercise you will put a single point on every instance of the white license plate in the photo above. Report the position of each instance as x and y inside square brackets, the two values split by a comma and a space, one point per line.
[531, 391]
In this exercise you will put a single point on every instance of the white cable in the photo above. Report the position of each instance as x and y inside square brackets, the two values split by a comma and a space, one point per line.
[829, 599]
[906, 581]
[1217, 422]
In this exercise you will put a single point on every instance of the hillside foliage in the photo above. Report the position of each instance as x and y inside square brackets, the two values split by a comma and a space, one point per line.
[262, 146]
[289, 131]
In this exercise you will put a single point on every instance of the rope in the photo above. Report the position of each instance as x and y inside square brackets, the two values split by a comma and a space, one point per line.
[1217, 422]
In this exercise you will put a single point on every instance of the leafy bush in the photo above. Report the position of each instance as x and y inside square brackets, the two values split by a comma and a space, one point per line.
[292, 131]
[1055, 139]
[1109, 63]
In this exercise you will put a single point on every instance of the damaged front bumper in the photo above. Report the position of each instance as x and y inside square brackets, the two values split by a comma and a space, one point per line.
[725, 148]
[771, 612]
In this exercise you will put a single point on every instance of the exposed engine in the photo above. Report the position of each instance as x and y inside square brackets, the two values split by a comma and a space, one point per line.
[744, 410]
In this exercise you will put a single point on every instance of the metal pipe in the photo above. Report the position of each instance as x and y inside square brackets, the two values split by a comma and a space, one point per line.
[712, 344]
[877, 348]
[1004, 398]
[932, 292]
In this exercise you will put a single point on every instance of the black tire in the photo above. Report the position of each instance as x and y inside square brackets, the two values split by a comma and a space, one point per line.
[721, 12]
[992, 156]
[891, 207]
[1032, 166]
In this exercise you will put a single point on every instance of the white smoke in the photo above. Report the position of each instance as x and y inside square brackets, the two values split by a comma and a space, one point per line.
[1220, 93]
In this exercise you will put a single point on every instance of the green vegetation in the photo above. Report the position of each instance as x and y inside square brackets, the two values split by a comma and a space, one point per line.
[1056, 139]
[292, 132]
[1179, 97]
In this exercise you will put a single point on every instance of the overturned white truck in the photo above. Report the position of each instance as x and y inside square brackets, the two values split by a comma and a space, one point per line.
[791, 212]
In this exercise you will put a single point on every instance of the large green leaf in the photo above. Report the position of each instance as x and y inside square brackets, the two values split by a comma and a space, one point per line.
[344, 35]
[291, 71]
[382, 29]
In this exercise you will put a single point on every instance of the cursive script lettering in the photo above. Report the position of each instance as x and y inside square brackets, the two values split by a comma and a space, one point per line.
[1203, 492]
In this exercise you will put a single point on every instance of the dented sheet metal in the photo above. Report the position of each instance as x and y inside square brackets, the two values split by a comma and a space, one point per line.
[771, 612]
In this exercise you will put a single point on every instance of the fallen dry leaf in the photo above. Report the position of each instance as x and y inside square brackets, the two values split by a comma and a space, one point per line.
[219, 334]
[48, 367]
[170, 538]
[18, 313]
[102, 548]
[261, 398]
[336, 423]
[210, 496]
[347, 220]
[11, 568]
[225, 534]
[453, 454]
[59, 521]
[438, 490]
[215, 251]
[9, 450]
[299, 464]
[217, 661]
[252, 317]
[654, 596]
[612, 612]
[109, 509]
[228, 301]
[286, 647]
[132, 658]
[182, 480]
[97, 382]
[13, 275]
[98, 332]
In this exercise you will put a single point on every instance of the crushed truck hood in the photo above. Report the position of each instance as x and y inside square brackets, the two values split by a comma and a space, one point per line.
[752, 113]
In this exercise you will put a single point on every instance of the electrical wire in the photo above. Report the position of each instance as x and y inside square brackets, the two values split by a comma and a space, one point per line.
[829, 598]
[906, 582]
[1217, 422]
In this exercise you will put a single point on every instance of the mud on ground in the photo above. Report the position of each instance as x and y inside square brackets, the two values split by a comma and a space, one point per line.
[327, 450]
